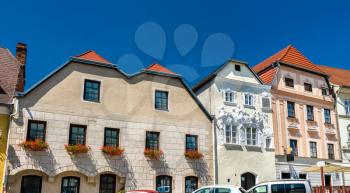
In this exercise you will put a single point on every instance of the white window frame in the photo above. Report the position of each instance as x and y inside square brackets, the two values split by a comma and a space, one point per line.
[347, 107]
[251, 136]
[231, 127]
[228, 91]
[250, 99]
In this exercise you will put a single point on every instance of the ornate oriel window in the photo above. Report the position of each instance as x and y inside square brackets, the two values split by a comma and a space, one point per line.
[231, 134]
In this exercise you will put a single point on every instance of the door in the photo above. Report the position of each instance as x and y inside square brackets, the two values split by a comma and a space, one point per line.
[191, 184]
[70, 185]
[247, 180]
[107, 183]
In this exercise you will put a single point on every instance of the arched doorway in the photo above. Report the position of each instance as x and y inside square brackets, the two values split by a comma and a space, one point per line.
[247, 180]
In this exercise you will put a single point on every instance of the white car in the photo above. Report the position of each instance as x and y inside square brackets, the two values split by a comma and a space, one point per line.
[282, 186]
[220, 189]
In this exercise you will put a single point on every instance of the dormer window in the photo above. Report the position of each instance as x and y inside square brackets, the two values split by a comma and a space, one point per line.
[229, 96]
[308, 87]
[289, 82]
[325, 91]
[238, 67]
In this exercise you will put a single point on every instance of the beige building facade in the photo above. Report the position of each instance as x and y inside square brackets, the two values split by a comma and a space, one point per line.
[91, 102]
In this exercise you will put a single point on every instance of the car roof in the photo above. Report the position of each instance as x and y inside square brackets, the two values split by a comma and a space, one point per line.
[220, 186]
[279, 181]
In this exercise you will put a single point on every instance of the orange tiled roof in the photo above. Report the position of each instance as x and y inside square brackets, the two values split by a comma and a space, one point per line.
[289, 55]
[92, 56]
[268, 75]
[159, 68]
[337, 76]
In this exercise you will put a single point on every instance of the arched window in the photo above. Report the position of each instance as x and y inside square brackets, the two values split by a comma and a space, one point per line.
[164, 184]
[70, 184]
[191, 184]
[251, 136]
[107, 183]
[231, 134]
[31, 184]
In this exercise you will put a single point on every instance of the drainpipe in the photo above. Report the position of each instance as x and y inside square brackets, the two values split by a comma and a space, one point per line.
[215, 150]
[335, 96]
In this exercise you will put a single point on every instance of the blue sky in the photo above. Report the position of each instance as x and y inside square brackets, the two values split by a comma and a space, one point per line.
[54, 31]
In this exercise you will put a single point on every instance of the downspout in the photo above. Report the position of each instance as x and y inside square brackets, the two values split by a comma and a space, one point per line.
[215, 166]
[335, 96]
[5, 171]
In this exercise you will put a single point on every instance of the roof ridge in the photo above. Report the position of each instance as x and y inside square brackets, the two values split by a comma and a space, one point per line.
[92, 55]
[286, 52]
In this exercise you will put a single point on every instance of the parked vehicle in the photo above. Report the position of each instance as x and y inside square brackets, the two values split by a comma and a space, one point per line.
[141, 191]
[282, 186]
[220, 189]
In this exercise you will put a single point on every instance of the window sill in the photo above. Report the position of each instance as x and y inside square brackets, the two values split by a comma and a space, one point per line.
[233, 146]
[230, 103]
[95, 102]
[266, 109]
[249, 106]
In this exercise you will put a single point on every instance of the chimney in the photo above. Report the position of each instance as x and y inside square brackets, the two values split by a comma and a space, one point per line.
[21, 55]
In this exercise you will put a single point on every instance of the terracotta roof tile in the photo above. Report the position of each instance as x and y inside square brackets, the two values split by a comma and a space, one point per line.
[159, 68]
[9, 69]
[337, 76]
[92, 56]
[268, 75]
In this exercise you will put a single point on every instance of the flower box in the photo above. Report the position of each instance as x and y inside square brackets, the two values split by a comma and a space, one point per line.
[112, 151]
[153, 154]
[193, 154]
[37, 145]
[75, 149]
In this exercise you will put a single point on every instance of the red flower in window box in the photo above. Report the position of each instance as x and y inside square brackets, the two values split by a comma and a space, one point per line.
[193, 154]
[112, 151]
[153, 154]
[78, 148]
[37, 145]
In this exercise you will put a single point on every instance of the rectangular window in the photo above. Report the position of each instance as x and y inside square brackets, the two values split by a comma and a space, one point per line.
[251, 136]
[285, 175]
[77, 134]
[327, 116]
[295, 188]
[291, 109]
[248, 99]
[325, 91]
[191, 142]
[266, 102]
[229, 96]
[152, 140]
[237, 67]
[36, 130]
[294, 145]
[231, 134]
[289, 82]
[302, 176]
[161, 100]
[107, 183]
[308, 87]
[31, 183]
[111, 137]
[92, 90]
[347, 107]
[330, 148]
[313, 149]
[310, 112]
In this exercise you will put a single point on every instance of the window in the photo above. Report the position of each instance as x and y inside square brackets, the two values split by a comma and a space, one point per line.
[308, 87]
[191, 184]
[294, 145]
[289, 82]
[313, 149]
[70, 185]
[161, 100]
[222, 190]
[347, 107]
[229, 96]
[204, 190]
[36, 130]
[152, 140]
[92, 90]
[327, 180]
[295, 188]
[291, 109]
[107, 183]
[266, 102]
[248, 99]
[251, 136]
[310, 112]
[111, 137]
[325, 91]
[191, 142]
[237, 67]
[285, 175]
[164, 184]
[77, 134]
[327, 116]
[302, 176]
[31, 184]
[231, 134]
[259, 189]
[330, 148]
[277, 188]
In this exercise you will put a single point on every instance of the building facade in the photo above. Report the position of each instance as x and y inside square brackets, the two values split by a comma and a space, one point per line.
[304, 115]
[11, 81]
[241, 104]
[88, 106]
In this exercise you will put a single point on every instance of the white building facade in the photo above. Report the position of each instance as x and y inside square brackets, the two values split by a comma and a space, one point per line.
[241, 105]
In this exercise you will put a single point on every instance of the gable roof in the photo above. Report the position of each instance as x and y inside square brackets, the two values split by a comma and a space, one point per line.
[92, 56]
[154, 69]
[213, 74]
[9, 70]
[337, 76]
[289, 56]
